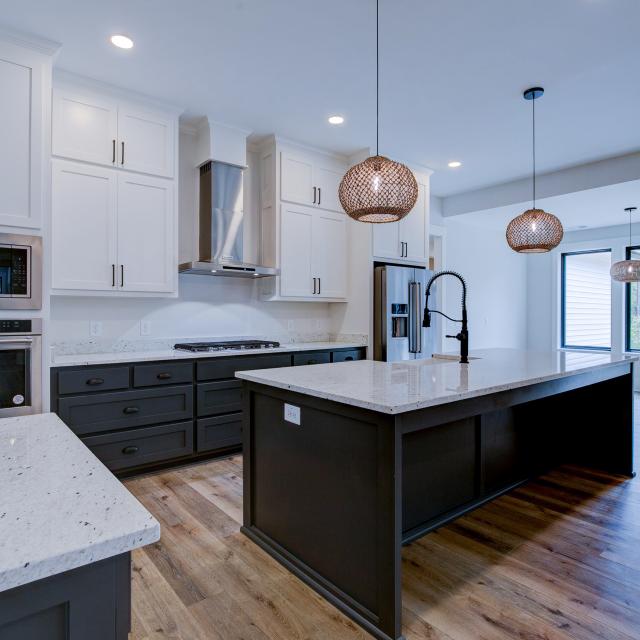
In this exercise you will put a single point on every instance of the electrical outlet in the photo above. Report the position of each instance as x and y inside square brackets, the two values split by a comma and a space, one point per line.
[95, 328]
[145, 327]
[292, 413]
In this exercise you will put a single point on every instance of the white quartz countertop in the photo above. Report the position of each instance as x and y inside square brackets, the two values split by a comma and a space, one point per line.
[60, 507]
[398, 387]
[172, 354]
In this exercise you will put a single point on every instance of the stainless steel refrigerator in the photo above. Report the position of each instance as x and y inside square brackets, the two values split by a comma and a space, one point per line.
[398, 308]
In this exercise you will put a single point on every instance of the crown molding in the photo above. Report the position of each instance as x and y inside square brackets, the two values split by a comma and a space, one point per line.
[30, 41]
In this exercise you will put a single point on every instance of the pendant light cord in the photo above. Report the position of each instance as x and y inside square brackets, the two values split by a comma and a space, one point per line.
[377, 76]
[533, 105]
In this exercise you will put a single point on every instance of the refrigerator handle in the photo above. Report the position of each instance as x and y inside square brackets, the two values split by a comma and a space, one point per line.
[417, 316]
[413, 339]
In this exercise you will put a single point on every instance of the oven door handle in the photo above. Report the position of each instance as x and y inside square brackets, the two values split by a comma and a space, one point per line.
[25, 340]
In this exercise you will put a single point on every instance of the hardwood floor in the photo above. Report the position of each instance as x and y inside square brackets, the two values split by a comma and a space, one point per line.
[556, 559]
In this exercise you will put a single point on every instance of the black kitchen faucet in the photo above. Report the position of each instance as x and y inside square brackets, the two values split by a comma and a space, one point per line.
[463, 335]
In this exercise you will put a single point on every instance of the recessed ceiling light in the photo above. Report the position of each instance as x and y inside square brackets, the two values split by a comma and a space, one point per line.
[336, 119]
[122, 42]
[455, 164]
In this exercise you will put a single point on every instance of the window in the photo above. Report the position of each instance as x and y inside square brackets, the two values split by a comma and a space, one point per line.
[633, 307]
[586, 300]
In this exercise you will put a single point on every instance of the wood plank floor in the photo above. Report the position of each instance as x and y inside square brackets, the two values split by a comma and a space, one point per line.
[556, 559]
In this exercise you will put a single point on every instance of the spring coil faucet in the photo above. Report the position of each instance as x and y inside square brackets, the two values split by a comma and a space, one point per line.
[463, 335]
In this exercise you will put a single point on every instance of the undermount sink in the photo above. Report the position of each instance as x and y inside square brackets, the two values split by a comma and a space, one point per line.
[451, 357]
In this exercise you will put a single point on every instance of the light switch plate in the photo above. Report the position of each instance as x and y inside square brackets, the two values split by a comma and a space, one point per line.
[95, 328]
[292, 413]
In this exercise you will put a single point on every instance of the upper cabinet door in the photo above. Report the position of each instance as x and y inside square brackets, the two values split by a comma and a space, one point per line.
[146, 252]
[329, 254]
[413, 229]
[24, 86]
[83, 227]
[386, 240]
[296, 241]
[296, 179]
[327, 180]
[145, 142]
[85, 127]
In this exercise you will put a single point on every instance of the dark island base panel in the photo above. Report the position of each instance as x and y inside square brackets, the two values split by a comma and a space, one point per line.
[335, 498]
[92, 602]
[145, 416]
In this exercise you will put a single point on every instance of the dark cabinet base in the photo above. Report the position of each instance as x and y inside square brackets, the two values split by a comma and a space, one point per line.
[89, 602]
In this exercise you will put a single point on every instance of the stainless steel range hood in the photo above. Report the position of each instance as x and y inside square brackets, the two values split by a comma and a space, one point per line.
[221, 245]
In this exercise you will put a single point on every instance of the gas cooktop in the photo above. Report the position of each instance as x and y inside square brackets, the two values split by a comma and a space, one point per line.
[226, 345]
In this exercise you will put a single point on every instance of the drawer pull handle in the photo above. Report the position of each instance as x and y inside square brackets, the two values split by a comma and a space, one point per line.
[95, 381]
[130, 410]
[130, 450]
[164, 376]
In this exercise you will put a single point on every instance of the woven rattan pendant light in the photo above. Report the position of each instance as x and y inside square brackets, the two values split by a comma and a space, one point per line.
[378, 189]
[535, 230]
[626, 270]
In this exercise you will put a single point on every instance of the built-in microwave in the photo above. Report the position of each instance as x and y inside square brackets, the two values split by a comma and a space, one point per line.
[20, 272]
[20, 367]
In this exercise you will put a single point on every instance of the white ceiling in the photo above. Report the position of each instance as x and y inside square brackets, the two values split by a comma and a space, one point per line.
[451, 80]
[592, 208]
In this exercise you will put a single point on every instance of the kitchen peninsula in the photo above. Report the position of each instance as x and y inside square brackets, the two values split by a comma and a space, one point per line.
[67, 529]
[345, 463]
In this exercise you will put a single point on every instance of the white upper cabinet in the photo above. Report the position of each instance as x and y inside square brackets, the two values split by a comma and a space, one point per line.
[146, 142]
[25, 85]
[85, 127]
[97, 128]
[406, 241]
[145, 234]
[314, 254]
[311, 179]
[84, 206]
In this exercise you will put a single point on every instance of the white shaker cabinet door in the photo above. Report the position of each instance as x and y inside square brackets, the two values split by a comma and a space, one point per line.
[83, 227]
[145, 142]
[327, 180]
[329, 254]
[85, 127]
[386, 240]
[146, 260]
[296, 279]
[296, 178]
[413, 229]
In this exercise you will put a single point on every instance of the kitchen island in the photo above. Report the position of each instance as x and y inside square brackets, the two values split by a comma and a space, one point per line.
[345, 463]
[67, 527]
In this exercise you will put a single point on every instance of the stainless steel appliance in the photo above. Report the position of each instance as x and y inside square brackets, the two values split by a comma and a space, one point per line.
[20, 367]
[398, 304]
[222, 222]
[227, 345]
[20, 272]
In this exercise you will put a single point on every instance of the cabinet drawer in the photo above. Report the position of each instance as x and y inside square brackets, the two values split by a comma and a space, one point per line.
[346, 356]
[93, 379]
[109, 411]
[219, 432]
[226, 367]
[135, 447]
[318, 357]
[151, 375]
[224, 396]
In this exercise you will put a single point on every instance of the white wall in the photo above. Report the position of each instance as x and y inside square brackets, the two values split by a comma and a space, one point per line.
[496, 278]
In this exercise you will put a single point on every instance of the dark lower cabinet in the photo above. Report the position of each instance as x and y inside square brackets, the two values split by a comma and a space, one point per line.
[145, 415]
[219, 432]
[91, 602]
[135, 447]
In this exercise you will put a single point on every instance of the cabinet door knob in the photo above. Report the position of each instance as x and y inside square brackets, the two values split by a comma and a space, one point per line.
[314, 286]
[122, 154]
[130, 450]
[164, 376]
[319, 285]
[122, 275]
[319, 195]
[113, 151]
[130, 410]
[113, 275]
[95, 381]
[314, 195]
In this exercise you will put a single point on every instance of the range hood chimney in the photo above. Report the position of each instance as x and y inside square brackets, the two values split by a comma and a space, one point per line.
[221, 211]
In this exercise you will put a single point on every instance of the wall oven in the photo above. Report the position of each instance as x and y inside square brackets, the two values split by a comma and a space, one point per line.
[20, 272]
[20, 367]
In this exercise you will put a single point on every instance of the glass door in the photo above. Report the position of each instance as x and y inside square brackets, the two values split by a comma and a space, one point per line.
[14, 377]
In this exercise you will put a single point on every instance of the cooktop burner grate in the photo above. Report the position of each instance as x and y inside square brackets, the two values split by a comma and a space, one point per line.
[226, 345]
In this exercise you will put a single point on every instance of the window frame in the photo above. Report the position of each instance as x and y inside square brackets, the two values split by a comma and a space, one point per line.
[563, 324]
[627, 305]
